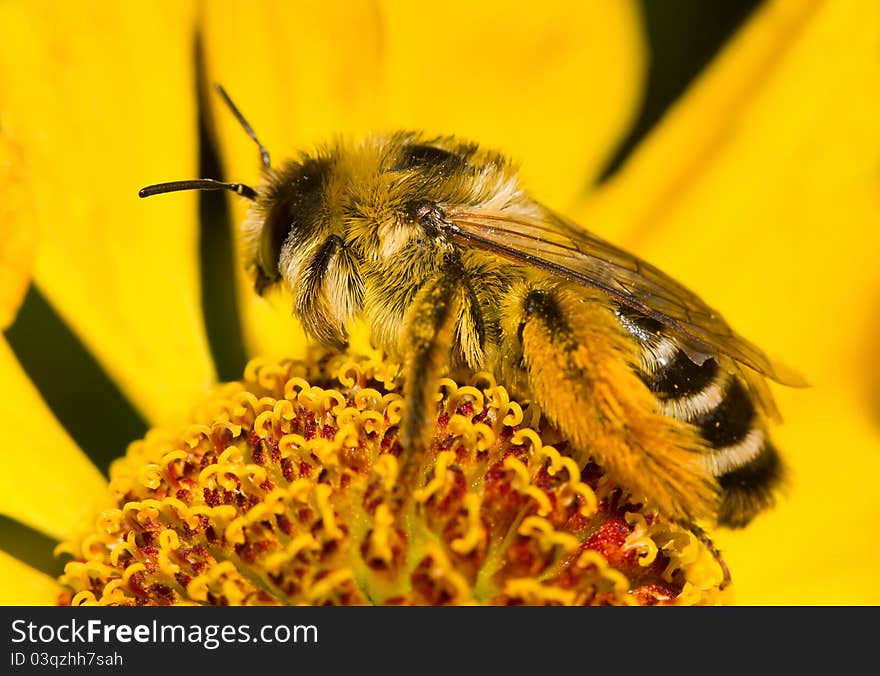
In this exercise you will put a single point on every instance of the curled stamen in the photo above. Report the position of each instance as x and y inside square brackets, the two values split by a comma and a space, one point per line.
[287, 489]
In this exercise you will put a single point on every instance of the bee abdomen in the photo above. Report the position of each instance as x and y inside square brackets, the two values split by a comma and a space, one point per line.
[750, 488]
[738, 452]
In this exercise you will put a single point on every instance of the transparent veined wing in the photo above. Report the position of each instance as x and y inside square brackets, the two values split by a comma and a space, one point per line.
[553, 243]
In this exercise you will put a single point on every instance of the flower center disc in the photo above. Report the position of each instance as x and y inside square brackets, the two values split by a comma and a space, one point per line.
[287, 489]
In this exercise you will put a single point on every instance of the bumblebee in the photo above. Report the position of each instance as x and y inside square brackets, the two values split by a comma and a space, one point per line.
[435, 244]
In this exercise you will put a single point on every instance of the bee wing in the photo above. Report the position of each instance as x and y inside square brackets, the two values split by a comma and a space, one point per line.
[553, 243]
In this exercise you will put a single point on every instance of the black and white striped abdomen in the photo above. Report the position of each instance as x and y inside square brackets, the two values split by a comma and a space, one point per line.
[718, 403]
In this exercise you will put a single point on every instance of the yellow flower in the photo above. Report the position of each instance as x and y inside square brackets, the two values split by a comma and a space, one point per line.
[759, 190]
[292, 487]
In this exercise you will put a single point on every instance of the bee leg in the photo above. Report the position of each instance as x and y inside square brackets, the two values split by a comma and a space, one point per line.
[331, 267]
[580, 368]
[429, 326]
[714, 551]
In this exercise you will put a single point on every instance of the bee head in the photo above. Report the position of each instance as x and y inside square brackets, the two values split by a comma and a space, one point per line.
[290, 206]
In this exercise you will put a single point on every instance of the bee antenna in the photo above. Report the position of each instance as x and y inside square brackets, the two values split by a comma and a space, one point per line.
[198, 184]
[264, 154]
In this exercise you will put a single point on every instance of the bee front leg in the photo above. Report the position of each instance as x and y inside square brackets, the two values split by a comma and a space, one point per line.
[429, 329]
[578, 364]
[329, 292]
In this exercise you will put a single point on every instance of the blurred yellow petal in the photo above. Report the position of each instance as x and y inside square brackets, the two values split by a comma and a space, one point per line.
[819, 546]
[46, 481]
[553, 85]
[760, 190]
[301, 72]
[17, 235]
[31, 587]
[101, 98]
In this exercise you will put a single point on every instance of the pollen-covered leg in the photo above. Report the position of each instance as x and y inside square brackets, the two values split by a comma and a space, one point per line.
[429, 328]
[578, 363]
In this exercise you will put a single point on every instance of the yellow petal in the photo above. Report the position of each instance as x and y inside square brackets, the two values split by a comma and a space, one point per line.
[760, 190]
[30, 587]
[46, 481]
[101, 100]
[17, 236]
[819, 546]
[553, 85]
